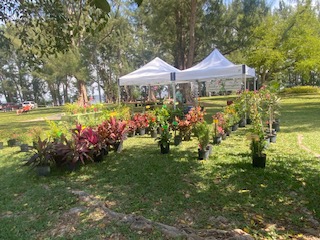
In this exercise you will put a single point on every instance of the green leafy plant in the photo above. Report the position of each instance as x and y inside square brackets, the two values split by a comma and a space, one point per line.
[44, 153]
[58, 128]
[165, 137]
[203, 134]
[257, 135]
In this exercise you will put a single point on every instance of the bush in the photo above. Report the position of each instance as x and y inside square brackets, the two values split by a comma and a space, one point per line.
[301, 90]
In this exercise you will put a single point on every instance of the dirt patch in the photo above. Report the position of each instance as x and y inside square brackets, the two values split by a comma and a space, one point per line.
[55, 117]
[304, 147]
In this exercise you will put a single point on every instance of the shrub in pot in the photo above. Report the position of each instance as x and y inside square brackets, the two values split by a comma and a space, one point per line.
[164, 140]
[141, 121]
[132, 127]
[118, 133]
[185, 129]
[257, 136]
[43, 157]
[78, 149]
[177, 137]
[203, 135]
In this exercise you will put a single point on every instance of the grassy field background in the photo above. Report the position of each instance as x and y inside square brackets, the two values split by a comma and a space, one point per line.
[278, 202]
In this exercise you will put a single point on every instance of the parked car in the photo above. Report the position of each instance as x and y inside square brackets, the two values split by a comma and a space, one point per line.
[32, 104]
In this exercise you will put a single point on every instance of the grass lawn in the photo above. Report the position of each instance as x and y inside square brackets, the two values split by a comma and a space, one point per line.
[278, 202]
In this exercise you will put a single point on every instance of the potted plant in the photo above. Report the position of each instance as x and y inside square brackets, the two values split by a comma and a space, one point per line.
[132, 127]
[118, 133]
[185, 129]
[177, 137]
[72, 152]
[232, 117]
[203, 134]
[141, 121]
[219, 124]
[162, 115]
[96, 146]
[43, 157]
[13, 140]
[153, 125]
[195, 115]
[164, 140]
[257, 136]
[24, 139]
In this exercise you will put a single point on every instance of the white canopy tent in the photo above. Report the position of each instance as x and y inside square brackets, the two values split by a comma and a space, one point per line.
[156, 72]
[215, 66]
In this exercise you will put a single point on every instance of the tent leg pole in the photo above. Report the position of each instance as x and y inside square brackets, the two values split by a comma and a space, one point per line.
[119, 94]
[174, 95]
[255, 84]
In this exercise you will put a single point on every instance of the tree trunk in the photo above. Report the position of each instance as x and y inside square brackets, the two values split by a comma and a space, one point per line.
[65, 91]
[83, 97]
[151, 96]
[192, 33]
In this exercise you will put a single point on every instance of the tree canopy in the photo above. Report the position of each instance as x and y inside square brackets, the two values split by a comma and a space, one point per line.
[66, 47]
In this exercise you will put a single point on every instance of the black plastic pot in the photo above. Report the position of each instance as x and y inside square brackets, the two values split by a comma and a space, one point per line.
[259, 161]
[210, 148]
[142, 131]
[217, 140]
[224, 136]
[131, 133]
[203, 154]
[276, 126]
[242, 122]
[235, 127]
[43, 170]
[153, 133]
[12, 142]
[177, 140]
[24, 148]
[118, 146]
[164, 149]
[99, 157]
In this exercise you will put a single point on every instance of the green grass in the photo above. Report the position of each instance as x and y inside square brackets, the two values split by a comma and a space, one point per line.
[174, 189]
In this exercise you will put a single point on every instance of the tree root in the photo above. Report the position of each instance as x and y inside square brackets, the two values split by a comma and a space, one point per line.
[140, 223]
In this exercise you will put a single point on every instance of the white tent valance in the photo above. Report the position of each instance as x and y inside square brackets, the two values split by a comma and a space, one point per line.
[156, 72]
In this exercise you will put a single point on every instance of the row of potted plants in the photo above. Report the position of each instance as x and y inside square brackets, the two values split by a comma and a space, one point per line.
[85, 144]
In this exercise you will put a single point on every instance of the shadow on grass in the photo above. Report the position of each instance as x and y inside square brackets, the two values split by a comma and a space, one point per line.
[165, 187]
[278, 194]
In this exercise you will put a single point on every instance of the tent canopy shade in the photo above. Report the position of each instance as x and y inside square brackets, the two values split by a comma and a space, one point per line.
[215, 66]
[156, 72]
